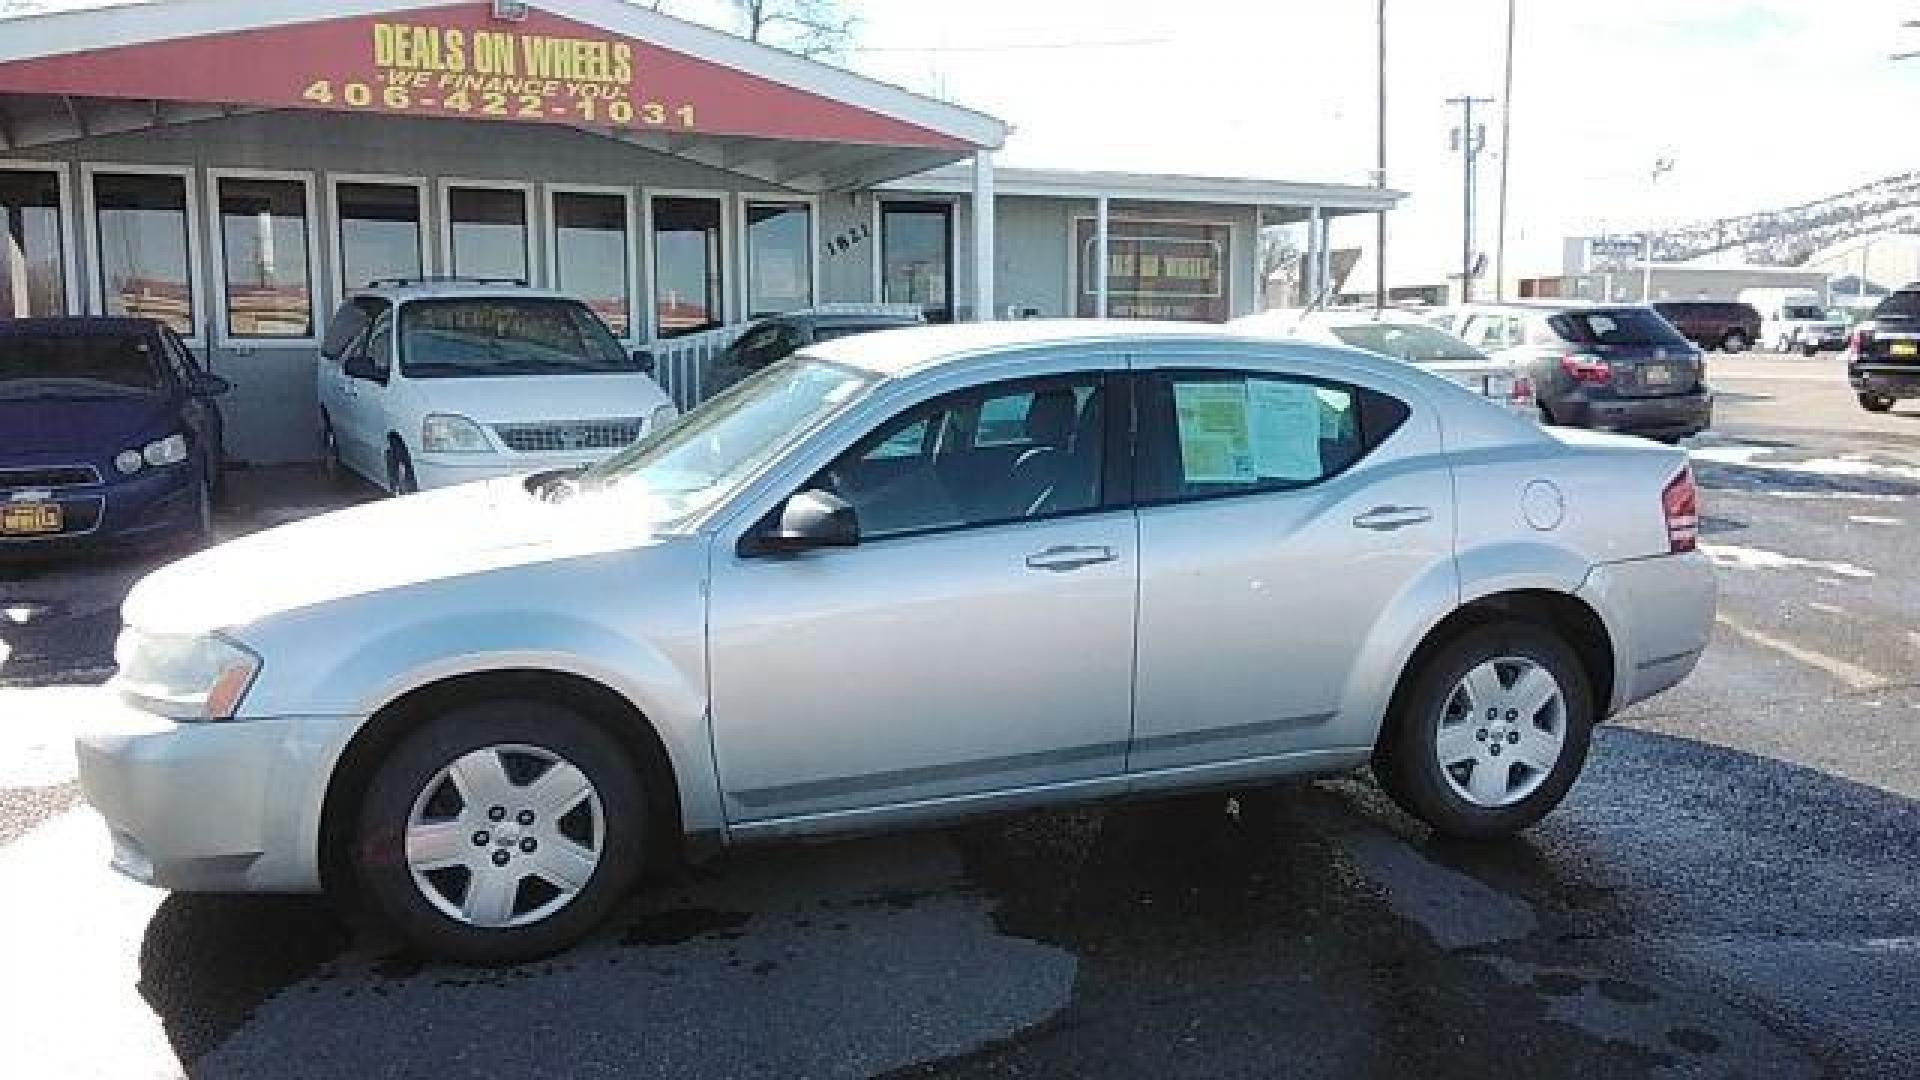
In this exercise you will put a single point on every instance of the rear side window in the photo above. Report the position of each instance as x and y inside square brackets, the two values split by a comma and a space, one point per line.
[1901, 305]
[1213, 433]
[1617, 326]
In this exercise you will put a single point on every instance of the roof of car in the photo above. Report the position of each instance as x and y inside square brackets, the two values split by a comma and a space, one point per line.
[895, 352]
[427, 288]
[79, 326]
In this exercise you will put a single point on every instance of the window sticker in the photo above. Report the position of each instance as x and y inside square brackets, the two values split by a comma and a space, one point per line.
[1288, 419]
[1215, 445]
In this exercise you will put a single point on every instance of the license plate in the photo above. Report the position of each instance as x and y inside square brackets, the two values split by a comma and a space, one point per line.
[1905, 348]
[29, 519]
[1658, 376]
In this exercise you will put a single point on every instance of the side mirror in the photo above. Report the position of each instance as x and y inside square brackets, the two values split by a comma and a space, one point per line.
[359, 366]
[809, 520]
[207, 384]
[644, 362]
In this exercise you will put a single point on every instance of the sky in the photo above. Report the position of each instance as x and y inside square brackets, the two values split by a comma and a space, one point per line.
[1760, 103]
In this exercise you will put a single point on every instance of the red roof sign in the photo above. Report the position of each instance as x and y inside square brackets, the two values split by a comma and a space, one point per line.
[458, 61]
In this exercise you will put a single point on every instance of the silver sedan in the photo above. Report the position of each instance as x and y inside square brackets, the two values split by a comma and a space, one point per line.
[898, 579]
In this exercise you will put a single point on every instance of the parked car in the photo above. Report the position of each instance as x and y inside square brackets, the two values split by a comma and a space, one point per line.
[424, 384]
[1795, 319]
[1610, 367]
[1407, 336]
[896, 579]
[108, 435]
[1713, 324]
[1883, 355]
[780, 336]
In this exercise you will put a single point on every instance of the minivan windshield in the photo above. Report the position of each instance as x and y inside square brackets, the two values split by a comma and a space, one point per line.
[494, 337]
[693, 463]
[1803, 312]
[89, 365]
[1413, 342]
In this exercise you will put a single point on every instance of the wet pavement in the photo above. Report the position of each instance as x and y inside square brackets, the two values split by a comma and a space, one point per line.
[1729, 890]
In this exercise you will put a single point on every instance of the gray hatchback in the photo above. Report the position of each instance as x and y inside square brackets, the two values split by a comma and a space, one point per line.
[1611, 367]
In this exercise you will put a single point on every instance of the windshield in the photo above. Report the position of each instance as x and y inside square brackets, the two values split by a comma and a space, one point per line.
[494, 337]
[693, 463]
[1805, 312]
[1411, 342]
[95, 364]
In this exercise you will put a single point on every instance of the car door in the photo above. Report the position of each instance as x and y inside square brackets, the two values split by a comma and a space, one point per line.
[978, 639]
[1282, 517]
[206, 428]
[367, 374]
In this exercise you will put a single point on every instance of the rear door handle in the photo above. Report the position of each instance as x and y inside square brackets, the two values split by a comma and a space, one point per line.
[1389, 518]
[1060, 560]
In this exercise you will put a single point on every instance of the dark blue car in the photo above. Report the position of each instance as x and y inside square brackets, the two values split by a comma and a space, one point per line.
[108, 435]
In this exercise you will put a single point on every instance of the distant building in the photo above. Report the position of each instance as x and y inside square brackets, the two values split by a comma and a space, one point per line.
[1608, 268]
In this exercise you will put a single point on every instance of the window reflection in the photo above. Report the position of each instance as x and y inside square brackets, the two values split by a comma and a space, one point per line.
[916, 245]
[263, 239]
[590, 254]
[379, 232]
[33, 274]
[779, 258]
[488, 227]
[141, 222]
[686, 266]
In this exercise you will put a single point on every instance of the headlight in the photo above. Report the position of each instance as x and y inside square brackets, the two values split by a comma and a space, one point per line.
[445, 433]
[128, 461]
[168, 451]
[660, 418]
[184, 677]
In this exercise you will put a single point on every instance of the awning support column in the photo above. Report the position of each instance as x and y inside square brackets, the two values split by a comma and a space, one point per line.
[1310, 265]
[983, 236]
[1100, 257]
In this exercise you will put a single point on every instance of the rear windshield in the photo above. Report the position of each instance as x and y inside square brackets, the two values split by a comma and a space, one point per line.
[1901, 305]
[72, 363]
[1806, 312]
[1412, 342]
[1617, 326]
[494, 337]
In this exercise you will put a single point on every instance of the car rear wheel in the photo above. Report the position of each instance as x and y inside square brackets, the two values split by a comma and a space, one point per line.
[501, 832]
[1810, 350]
[1490, 734]
[1734, 342]
[1875, 402]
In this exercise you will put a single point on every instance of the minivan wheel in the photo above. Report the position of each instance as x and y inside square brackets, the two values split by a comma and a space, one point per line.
[1491, 733]
[500, 832]
[1734, 342]
[400, 477]
[1875, 402]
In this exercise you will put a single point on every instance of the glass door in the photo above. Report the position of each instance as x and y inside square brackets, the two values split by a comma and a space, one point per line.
[916, 256]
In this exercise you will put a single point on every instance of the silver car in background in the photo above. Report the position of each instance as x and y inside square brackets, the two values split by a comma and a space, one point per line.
[894, 579]
[1408, 336]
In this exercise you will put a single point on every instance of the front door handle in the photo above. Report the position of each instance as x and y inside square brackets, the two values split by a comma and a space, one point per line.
[1060, 560]
[1389, 518]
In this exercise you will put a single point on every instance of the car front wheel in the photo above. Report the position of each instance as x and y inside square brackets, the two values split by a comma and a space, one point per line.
[1734, 342]
[501, 832]
[1491, 733]
[1875, 402]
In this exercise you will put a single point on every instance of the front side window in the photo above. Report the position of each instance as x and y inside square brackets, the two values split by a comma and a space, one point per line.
[779, 258]
[686, 266]
[590, 254]
[487, 230]
[33, 266]
[141, 227]
[940, 466]
[263, 241]
[494, 337]
[379, 232]
[1210, 433]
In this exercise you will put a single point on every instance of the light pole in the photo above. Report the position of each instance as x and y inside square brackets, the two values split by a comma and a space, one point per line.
[1380, 165]
[1506, 146]
[1469, 139]
[1661, 167]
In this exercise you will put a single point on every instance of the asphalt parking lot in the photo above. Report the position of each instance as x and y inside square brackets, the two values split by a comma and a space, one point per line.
[1728, 892]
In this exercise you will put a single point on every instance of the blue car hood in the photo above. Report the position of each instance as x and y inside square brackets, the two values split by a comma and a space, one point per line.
[82, 429]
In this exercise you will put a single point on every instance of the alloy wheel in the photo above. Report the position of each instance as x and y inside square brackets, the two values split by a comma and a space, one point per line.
[1502, 731]
[505, 836]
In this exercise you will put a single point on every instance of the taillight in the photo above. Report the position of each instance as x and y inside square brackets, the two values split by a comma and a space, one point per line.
[1681, 504]
[1522, 392]
[1587, 368]
[1859, 342]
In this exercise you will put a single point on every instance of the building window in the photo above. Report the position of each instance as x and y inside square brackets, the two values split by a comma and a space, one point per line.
[916, 256]
[487, 230]
[263, 246]
[779, 258]
[590, 261]
[380, 235]
[33, 270]
[1157, 270]
[687, 281]
[142, 228]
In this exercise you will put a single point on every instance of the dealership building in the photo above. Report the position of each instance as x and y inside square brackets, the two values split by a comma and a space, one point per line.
[236, 168]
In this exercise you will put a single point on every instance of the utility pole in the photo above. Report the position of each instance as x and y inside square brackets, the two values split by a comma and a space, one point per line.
[1380, 167]
[1661, 167]
[1469, 139]
[1506, 147]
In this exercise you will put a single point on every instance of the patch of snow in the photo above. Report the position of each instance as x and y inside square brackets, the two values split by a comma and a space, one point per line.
[1746, 558]
[1754, 457]
[1854, 496]
[1871, 519]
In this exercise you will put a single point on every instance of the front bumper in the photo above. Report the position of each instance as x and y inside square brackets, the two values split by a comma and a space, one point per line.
[1659, 612]
[1674, 417]
[211, 807]
[1885, 380]
[432, 471]
[153, 506]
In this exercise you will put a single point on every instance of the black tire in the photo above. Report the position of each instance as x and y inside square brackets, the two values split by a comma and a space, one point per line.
[400, 476]
[1810, 350]
[379, 846]
[1875, 402]
[1407, 763]
[1734, 342]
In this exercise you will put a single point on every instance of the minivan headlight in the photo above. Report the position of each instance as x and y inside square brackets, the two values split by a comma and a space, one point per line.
[185, 677]
[446, 433]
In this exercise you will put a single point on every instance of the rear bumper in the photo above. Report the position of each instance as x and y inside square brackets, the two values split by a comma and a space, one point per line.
[1677, 416]
[1886, 380]
[1659, 612]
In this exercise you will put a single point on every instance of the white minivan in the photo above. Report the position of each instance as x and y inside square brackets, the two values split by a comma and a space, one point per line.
[1793, 319]
[427, 384]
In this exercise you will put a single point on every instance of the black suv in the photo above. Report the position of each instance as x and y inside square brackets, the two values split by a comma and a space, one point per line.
[1713, 324]
[1883, 355]
[781, 336]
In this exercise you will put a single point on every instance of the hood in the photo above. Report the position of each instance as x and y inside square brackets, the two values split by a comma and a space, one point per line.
[530, 399]
[80, 428]
[394, 543]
